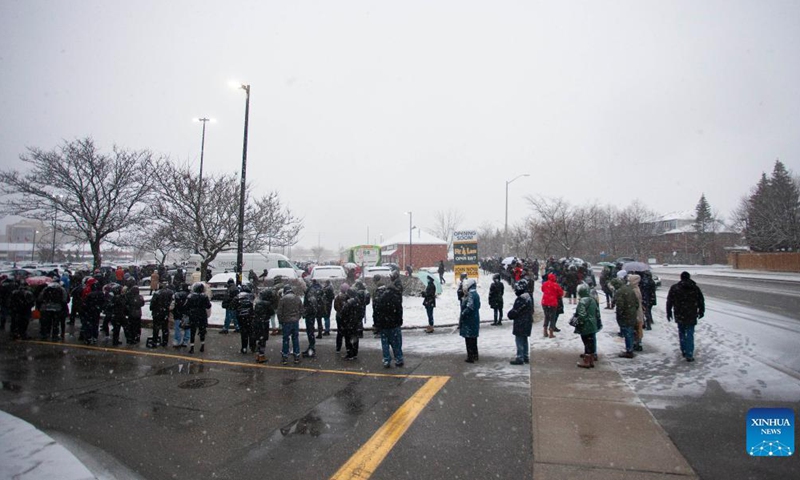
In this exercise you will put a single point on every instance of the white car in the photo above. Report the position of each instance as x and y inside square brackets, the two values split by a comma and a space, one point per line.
[370, 272]
[218, 285]
[328, 272]
[289, 273]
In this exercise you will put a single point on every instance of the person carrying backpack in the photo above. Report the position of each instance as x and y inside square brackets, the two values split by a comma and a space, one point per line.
[53, 307]
[244, 312]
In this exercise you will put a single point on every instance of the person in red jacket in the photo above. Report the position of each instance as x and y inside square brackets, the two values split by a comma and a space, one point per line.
[551, 292]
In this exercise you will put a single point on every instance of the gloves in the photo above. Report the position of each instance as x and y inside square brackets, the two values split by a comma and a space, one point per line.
[669, 317]
[701, 314]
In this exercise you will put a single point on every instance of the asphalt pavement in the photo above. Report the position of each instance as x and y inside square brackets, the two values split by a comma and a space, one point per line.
[137, 413]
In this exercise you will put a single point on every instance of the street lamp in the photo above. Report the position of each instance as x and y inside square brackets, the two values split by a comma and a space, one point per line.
[56, 199]
[240, 243]
[202, 151]
[410, 241]
[200, 183]
[505, 231]
[33, 246]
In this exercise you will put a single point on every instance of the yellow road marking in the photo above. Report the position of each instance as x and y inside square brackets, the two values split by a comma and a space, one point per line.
[226, 362]
[366, 460]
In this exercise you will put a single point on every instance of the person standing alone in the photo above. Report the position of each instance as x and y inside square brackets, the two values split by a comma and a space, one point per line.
[685, 302]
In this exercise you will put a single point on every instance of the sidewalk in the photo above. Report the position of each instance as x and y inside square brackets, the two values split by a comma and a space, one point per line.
[587, 423]
[28, 453]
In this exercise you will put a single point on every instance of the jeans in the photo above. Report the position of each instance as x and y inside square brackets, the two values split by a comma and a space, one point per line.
[230, 316]
[181, 335]
[498, 314]
[291, 329]
[392, 337]
[327, 321]
[522, 347]
[627, 333]
[686, 337]
[429, 310]
[312, 341]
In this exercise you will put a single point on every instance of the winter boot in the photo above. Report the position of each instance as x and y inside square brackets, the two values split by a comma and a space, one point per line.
[202, 347]
[551, 334]
[517, 361]
[587, 361]
[261, 358]
[429, 329]
[545, 332]
[191, 348]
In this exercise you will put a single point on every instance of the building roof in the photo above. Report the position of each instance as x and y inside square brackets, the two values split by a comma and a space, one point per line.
[418, 237]
[720, 228]
[679, 215]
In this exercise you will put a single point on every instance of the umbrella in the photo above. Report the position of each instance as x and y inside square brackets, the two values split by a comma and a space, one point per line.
[424, 276]
[606, 264]
[508, 260]
[350, 265]
[635, 267]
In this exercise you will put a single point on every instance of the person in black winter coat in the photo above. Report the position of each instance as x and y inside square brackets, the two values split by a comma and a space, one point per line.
[7, 287]
[119, 315]
[135, 302]
[648, 288]
[496, 291]
[198, 306]
[244, 312]
[685, 302]
[522, 315]
[312, 306]
[429, 302]
[159, 306]
[328, 294]
[387, 313]
[20, 304]
[52, 305]
[350, 320]
[263, 310]
[180, 317]
[93, 305]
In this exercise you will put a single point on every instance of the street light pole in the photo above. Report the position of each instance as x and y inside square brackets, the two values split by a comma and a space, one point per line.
[200, 183]
[240, 243]
[410, 241]
[33, 245]
[55, 220]
[505, 231]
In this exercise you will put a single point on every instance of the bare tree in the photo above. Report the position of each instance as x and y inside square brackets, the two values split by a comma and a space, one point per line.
[209, 223]
[445, 223]
[521, 239]
[96, 196]
[635, 224]
[557, 224]
[490, 240]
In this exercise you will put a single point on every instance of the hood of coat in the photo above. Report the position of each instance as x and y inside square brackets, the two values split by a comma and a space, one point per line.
[583, 290]
[634, 280]
[551, 277]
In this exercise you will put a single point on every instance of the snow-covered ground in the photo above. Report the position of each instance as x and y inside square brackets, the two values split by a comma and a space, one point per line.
[724, 271]
[749, 352]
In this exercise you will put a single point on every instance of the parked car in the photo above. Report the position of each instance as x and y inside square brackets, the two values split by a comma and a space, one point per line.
[218, 285]
[383, 271]
[289, 273]
[328, 272]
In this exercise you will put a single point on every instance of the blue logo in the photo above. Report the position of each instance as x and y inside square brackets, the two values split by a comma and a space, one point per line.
[770, 432]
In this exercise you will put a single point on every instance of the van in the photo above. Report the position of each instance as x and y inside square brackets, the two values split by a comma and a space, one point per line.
[226, 262]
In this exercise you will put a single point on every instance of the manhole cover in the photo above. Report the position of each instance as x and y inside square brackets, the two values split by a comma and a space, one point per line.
[198, 383]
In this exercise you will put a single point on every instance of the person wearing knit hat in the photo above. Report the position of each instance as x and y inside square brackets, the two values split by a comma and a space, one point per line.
[685, 302]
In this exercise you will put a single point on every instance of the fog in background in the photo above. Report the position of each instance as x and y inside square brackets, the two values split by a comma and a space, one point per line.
[363, 110]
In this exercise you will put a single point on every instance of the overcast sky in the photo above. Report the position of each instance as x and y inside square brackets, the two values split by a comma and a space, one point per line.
[363, 110]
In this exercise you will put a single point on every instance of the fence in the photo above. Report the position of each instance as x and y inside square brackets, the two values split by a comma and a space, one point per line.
[774, 262]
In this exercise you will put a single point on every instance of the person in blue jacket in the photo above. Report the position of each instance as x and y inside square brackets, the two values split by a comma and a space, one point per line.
[469, 324]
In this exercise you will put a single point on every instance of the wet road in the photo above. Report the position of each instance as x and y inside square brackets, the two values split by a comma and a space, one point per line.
[779, 297]
[747, 359]
[169, 416]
